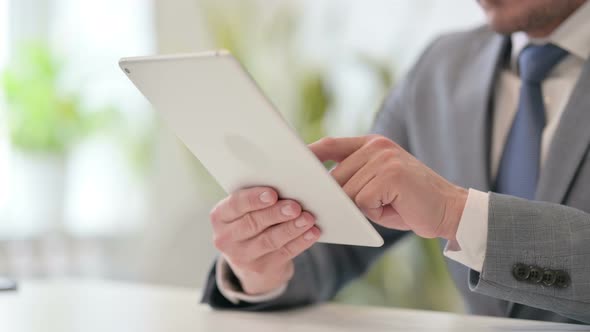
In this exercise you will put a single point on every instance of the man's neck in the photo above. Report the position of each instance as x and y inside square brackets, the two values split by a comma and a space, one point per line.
[543, 32]
[547, 29]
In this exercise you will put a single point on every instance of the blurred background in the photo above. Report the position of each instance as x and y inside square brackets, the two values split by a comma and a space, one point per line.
[92, 184]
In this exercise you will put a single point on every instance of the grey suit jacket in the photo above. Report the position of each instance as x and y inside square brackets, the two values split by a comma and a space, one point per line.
[441, 113]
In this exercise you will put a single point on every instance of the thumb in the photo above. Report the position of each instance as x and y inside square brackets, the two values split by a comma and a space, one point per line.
[337, 149]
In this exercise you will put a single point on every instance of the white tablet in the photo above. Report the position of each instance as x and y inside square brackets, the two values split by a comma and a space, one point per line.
[217, 110]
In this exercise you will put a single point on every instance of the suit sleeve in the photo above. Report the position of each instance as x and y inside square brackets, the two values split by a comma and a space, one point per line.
[319, 273]
[526, 238]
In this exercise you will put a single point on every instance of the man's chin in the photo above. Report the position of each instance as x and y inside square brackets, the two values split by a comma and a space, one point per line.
[503, 29]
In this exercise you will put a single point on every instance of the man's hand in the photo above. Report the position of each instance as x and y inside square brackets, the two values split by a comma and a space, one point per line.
[393, 188]
[259, 235]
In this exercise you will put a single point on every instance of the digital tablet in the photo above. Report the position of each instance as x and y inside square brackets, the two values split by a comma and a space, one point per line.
[215, 108]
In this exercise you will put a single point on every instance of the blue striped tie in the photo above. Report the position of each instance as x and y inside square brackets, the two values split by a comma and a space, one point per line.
[518, 172]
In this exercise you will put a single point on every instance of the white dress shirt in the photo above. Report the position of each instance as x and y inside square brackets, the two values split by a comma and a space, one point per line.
[573, 36]
[470, 248]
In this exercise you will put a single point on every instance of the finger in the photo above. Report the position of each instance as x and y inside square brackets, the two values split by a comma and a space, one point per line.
[375, 196]
[390, 218]
[337, 149]
[254, 223]
[375, 199]
[374, 214]
[376, 147]
[292, 249]
[357, 181]
[243, 201]
[347, 168]
[276, 237]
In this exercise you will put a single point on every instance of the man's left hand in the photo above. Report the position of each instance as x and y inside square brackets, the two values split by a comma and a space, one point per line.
[392, 188]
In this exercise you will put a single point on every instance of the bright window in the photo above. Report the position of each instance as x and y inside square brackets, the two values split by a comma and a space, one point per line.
[102, 192]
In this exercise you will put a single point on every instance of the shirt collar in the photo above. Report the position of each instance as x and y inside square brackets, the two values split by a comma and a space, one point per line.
[573, 35]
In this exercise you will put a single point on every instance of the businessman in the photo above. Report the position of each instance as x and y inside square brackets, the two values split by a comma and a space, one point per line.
[485, 145]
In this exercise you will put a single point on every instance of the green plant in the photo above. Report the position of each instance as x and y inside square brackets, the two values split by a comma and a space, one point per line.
[41, 116]
[314, 103]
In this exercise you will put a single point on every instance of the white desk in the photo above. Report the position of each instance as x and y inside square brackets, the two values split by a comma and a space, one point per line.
[68, 306]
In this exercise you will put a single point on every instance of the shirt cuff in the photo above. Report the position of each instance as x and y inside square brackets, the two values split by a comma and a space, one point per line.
[232, 292]
[472, 234]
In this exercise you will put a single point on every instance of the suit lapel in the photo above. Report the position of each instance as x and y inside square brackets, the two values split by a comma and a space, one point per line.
[476, 102]
[569, 145]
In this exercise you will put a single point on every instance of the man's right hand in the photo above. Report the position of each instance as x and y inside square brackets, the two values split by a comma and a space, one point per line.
[260, 235]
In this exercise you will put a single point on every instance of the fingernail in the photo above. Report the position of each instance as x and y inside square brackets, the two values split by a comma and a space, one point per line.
[288, 211]
[309, 236]
[301, 222]
[266, 197]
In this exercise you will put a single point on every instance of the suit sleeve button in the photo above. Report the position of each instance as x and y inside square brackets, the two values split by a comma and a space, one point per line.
[535, 274]
[549, 277]
[562, 279]
[521, 272]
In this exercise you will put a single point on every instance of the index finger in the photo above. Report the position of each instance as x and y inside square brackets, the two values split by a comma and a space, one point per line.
[337, 149]
[242, 202]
